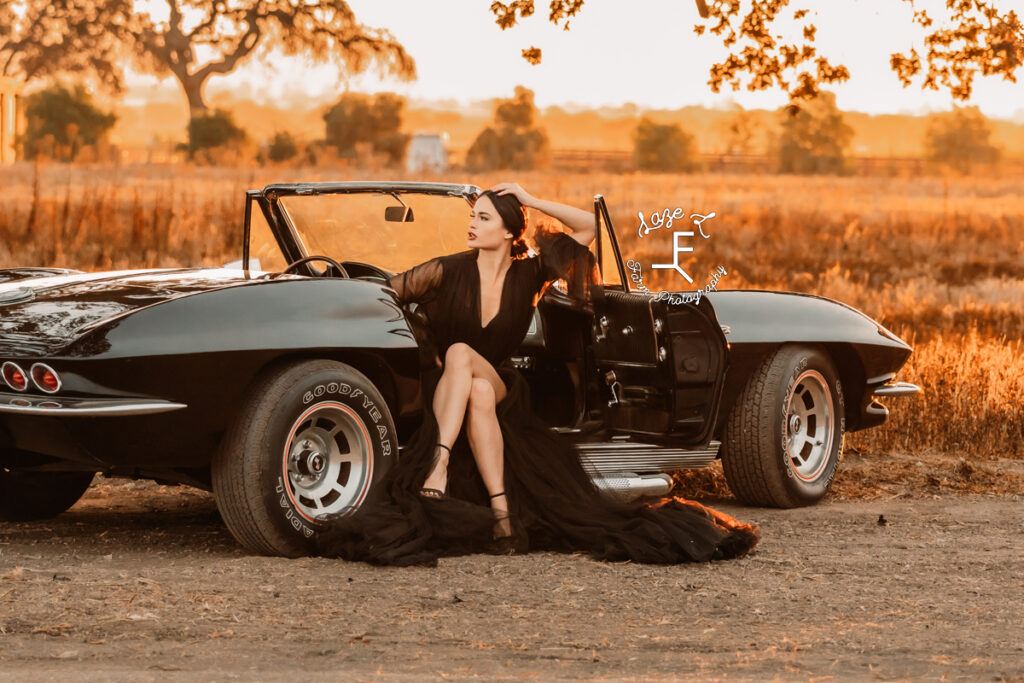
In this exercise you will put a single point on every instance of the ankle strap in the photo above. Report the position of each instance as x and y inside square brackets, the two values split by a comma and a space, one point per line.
[446, 448]
[498, 494]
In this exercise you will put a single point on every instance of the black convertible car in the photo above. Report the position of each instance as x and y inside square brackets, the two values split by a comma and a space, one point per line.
[287, 382]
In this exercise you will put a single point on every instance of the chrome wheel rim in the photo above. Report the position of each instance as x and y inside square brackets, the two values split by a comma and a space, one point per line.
[809, 434]
[328, 461]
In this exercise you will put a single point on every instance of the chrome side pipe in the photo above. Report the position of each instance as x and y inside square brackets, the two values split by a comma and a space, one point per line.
[626, 486]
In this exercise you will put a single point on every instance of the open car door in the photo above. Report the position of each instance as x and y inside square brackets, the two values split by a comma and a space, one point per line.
[662, 365]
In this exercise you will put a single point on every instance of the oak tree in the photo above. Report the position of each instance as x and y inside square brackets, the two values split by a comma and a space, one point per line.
[282, 147]
[513, 140]
[972, 37]
[210, 129]
[41, 38]
[230, 31]
[61, 121]
[375, 120]
[960, 139]
[663, 147]
[813, 138]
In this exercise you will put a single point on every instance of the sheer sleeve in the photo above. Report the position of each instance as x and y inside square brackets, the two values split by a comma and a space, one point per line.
[419, 283]
[562, 257]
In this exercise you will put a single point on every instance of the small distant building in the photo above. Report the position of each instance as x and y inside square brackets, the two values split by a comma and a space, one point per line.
[10, 117]
[427, 152]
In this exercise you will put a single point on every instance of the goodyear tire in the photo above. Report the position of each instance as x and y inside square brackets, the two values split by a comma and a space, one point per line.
[784, 436]
[313, 440]
[26, 496]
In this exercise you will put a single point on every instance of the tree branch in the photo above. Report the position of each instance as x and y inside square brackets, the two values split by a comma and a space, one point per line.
[246, 44]
[215, 12]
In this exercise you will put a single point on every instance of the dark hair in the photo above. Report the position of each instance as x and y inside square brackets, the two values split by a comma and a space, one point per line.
[513, 215]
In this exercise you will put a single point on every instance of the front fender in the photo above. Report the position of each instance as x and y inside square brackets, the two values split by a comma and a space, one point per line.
[866, 354]
[765, 317]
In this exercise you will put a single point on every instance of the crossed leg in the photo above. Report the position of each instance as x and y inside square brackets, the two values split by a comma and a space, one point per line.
[485, 439]
[468, 379]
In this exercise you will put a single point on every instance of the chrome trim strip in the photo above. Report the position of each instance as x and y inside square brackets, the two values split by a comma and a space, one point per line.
[609, 458]
[84, 407]
[897, 389]
[630, 364]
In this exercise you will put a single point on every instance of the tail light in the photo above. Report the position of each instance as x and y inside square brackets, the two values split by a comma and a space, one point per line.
[45, 378]
[14, 376]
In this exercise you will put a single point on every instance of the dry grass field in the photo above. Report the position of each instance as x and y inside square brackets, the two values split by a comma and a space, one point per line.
[938, 261]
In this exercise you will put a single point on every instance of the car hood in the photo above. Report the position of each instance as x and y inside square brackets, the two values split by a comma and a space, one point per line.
[41, 315]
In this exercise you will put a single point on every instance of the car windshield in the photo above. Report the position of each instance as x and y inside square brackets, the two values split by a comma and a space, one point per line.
[368, 226]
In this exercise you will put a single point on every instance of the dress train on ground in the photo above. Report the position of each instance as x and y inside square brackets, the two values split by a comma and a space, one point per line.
[554, 504]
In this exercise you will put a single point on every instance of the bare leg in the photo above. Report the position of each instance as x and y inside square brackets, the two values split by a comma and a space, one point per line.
[485, 439]
[451, 397]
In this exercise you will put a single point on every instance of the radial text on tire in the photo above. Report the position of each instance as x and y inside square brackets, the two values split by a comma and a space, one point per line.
[313, 440]
[784, 436]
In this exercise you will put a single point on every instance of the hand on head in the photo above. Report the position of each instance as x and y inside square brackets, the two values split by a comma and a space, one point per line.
[524, 197]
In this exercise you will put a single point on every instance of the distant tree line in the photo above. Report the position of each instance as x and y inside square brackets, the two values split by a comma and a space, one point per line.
[810, 139]
[814, 138]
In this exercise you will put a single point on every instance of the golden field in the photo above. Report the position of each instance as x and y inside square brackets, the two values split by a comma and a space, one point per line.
[939, 261]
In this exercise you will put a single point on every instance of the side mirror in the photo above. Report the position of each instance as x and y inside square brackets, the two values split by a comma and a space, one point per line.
[398, 214]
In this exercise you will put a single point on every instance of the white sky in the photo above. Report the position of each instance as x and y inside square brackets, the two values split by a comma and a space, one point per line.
[640, 51]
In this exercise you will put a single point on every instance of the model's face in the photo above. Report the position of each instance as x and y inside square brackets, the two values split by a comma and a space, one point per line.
[486, 229]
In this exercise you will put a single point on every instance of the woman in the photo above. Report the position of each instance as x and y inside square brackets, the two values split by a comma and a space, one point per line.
[483, 472]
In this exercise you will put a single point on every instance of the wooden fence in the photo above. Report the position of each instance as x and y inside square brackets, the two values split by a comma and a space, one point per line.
[621, 161]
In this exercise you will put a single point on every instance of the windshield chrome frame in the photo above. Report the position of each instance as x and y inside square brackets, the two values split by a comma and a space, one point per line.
[286, 231]
[292, 230]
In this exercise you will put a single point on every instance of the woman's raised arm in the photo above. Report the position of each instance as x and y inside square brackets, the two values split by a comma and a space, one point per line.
[581, 223]
[419, 283]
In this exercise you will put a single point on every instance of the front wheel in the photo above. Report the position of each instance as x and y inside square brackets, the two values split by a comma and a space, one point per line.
[785, 433]
[26, 496]
[312, 442]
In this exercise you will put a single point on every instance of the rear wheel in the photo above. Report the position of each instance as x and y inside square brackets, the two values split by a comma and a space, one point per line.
[785, 434]
[26, 496]
[310, 444]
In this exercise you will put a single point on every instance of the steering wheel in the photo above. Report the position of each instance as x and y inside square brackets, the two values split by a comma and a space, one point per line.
[367, 271]
[317, 257]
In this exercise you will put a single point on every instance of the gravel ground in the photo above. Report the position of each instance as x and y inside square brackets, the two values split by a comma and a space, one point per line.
[143, 582]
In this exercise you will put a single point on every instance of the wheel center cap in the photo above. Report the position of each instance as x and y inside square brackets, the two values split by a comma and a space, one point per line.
[308, 463]
[794, 423]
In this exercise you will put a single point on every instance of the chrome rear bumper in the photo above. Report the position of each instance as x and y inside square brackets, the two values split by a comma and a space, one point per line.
[83, 407]
[897, 389]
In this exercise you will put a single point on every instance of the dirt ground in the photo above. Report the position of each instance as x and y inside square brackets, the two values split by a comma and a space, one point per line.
[919, 575]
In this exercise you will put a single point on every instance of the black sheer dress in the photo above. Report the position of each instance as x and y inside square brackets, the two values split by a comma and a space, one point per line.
[554, 504]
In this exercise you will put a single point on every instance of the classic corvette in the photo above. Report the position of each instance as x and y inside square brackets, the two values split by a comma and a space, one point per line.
[288, 381]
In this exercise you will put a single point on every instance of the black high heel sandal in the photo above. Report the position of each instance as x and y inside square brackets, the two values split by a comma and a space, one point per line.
[436, 493]
[505, 544]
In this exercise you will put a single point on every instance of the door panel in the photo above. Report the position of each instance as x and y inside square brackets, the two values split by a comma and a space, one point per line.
[697, 356]
[638, 395]
[628, 328]
[662, 365]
